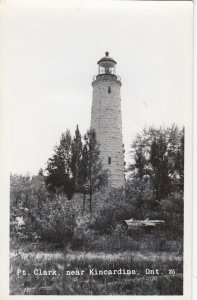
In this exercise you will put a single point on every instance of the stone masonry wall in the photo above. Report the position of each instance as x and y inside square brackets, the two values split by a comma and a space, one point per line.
[107, 121]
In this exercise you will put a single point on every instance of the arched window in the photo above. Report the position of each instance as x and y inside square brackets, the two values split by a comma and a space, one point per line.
[109, 89]
[109, 160]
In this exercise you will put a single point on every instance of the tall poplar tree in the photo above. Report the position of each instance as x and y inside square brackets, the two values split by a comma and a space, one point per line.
[76, 150]
[91, 167]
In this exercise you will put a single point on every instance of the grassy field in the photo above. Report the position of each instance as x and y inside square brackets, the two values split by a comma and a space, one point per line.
[25, 265]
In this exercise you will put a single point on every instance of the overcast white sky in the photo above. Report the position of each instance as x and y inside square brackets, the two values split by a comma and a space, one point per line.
[50, 51]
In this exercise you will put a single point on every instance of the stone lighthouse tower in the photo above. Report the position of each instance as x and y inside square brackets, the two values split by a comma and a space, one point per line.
[106, 118]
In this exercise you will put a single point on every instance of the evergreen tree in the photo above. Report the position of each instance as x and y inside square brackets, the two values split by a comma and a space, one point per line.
[76, 166]
[59, 175]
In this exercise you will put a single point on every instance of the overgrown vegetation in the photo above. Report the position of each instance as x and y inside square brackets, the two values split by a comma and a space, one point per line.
[51, 211]
[164, 284]
[75, 166]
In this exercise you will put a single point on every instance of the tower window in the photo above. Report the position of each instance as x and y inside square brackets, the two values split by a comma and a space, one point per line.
[109, 89]
[109, 160]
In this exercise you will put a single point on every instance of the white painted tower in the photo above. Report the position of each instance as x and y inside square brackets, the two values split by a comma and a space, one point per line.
[106, 118]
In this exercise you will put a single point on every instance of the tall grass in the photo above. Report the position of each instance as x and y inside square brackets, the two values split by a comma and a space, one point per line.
[62, 284]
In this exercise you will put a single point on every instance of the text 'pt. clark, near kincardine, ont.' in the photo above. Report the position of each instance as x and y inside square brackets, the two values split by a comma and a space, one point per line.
[94, 272]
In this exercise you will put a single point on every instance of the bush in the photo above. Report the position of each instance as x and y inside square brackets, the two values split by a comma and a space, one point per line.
[140, 194]
[172, 212]
[52, 218]
[83, 235]
[111, 210]
[58, 220]
[37, 214]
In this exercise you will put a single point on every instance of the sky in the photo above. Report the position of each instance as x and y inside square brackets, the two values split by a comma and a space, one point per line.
[49, 56]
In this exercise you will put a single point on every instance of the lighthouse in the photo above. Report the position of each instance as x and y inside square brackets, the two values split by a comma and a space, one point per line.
[106, 119]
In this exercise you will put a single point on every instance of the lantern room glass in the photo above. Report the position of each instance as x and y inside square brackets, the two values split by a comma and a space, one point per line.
[106, 70]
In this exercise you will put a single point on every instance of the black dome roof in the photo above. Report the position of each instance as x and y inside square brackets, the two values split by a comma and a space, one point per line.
[106, 58]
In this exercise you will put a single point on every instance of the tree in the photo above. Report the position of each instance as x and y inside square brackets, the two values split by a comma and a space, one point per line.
[41, 172]
[76, 149]
[59, 176]
[159, 153]
[160, 166]
[139, 159]
[179, 161]
[76, 166]
[20, 190]
[83, 174]
[92, 175]
[28, 196]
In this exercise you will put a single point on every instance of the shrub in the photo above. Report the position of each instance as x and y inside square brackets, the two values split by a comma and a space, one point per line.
[172, 212]
[58, 220]
[111, 210]
[83, 235]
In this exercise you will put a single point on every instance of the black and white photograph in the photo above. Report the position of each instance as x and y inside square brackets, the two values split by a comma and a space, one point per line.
[97, 110]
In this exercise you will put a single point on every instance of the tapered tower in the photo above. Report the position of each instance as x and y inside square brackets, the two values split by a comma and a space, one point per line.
[106, 118]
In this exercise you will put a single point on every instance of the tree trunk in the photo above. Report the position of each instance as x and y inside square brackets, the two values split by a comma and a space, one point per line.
[90, 201]
[84, 200]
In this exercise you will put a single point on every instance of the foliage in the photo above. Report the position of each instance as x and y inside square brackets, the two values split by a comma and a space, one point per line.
[94, 176]
[155, 186]
[27, 197]
[41, 172]
[59, 174]
[58, 221]
[164, 284]
[76, 165]
[83, 236]
[172, 211]
[111, 209]
[159, 155]
[26, 191]
[50, 217]
[76, 149]
[140, 193]
[34, 212]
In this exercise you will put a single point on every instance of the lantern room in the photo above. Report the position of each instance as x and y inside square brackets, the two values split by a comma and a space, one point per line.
[106, 65]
